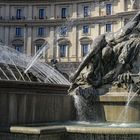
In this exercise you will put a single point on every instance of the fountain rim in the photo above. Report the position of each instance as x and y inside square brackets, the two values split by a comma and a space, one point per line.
[32, 82]
[44, 88]
[64, 128]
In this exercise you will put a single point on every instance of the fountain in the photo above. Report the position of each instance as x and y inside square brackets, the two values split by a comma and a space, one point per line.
[110, 72]
[34, 103]
[19, 66]
[106, 87]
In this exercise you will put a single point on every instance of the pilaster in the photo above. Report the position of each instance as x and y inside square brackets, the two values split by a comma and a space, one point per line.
[74, 10]
[122, 5]
[52, 11]
[7, 11]
[30, 12]
[6, 41]
[28, 40]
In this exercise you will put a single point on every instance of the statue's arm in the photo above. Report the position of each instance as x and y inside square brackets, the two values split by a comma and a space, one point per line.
[99, 43]
[82, 65]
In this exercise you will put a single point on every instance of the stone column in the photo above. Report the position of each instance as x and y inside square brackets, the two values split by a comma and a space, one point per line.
[30, 11]
[51, 43]
[6, 40]
[58, 52]
[74, 44]
[7, 12]
[97, 8]
[122, 22]
[99, 29]
[74, 10]
[68, 53]
[122, 5]
[80, 52]
[52, 12]
[35, 49]
[28, 41]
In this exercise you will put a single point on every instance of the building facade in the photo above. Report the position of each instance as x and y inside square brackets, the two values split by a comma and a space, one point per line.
[67, 26]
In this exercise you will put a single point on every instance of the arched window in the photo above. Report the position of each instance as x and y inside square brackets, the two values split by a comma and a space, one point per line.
[63, 44]
[63, 50]
[85, 49]
[85, 45]
[18, 45]
[38, 44]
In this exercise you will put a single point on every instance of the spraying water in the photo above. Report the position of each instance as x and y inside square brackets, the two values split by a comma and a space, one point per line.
[124, 114]
[13, 64]
[36, 56]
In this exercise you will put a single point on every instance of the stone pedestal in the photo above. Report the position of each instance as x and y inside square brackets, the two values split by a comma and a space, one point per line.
[116, 108]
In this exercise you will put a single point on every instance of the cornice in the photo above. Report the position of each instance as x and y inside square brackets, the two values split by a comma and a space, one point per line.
[45, 1]
[49, 1]
[77, 21]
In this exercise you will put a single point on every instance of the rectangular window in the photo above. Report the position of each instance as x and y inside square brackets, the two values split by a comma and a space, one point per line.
[18, 31]
[63, 12]
[62, 50]
[18, 13]
[41, 13]
[85, 49]
[18, 48]
[86, 11]
[85, 29]
[108, 9]
[63, 31]
[40, 31]
[108, 27]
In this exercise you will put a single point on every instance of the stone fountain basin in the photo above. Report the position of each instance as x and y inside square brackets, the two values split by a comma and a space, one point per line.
[33, 102]
[73, 131]
[78, 127]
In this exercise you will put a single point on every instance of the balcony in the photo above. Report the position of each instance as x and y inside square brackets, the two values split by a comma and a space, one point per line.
[34, 20]
[62, 17]
[17, 18]
[40, 18]
[18, 36]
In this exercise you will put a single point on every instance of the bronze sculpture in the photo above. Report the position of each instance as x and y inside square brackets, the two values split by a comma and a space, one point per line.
[114, 58]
